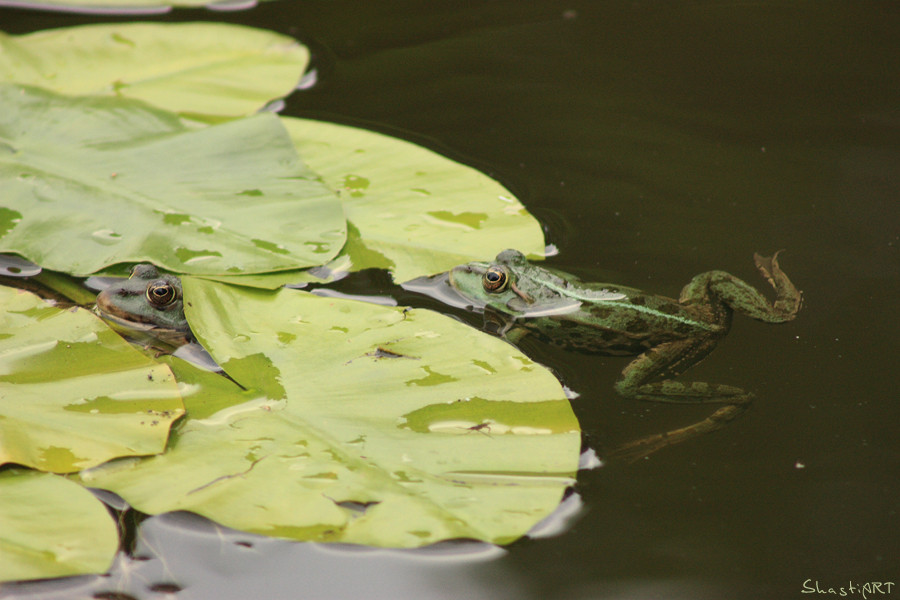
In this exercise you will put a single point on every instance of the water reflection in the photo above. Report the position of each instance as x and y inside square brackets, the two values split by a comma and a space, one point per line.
[14, 266]
[561, 519]
[201, 559]
[438, 287]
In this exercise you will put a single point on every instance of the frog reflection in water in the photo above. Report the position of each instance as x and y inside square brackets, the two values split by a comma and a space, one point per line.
[667, 335]
[148, 303]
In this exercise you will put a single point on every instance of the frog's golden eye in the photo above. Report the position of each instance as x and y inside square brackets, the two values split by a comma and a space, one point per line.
[161, 293]
[495, 280]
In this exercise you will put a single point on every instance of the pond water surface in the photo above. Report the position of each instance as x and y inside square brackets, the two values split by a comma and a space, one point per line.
[653, 141]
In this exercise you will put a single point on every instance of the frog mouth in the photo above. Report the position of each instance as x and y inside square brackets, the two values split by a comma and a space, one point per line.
[135, 327]
[108, 310]
[440, 288]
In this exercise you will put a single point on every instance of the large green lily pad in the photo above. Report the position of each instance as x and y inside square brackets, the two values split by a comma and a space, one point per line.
[73, 394]
[411, 210]
[211, 69]
[363, 424]
[89, 182]
[51, 527]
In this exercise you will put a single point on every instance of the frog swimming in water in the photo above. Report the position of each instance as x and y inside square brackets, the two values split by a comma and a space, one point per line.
[148, 304]
[667, 335]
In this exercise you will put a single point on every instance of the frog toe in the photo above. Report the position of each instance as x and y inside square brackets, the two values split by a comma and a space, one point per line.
[788, 297]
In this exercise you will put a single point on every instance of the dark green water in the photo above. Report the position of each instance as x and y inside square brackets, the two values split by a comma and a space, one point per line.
[654, 141]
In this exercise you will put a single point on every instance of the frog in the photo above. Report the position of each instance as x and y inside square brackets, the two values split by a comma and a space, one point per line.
[665, 335]
[148, 304]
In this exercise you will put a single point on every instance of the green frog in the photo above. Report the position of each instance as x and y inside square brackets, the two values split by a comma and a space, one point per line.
[667, 335]
[147, 304]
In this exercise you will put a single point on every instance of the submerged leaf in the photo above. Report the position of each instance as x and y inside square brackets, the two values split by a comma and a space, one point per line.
[364, 424]
[51, 527]
[73, 394]
[89, 182]
[196, 68]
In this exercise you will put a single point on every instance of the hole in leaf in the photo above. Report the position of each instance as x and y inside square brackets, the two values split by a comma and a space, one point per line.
[357, 507]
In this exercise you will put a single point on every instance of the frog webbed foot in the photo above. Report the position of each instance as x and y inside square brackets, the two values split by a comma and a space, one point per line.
[788, 297]
[714, 289]
[645, 446]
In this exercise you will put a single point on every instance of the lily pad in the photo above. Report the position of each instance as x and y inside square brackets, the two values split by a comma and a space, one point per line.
[51, 527]
[364, 424]
[89, 182]
[411, 210]
[73, 394]
[211, 69]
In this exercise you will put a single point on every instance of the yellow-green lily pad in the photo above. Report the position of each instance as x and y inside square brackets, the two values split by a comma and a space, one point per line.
[93, 181]
[410, 210]
[362, 424]
[73, 394]
[51, 527]
[201, 69]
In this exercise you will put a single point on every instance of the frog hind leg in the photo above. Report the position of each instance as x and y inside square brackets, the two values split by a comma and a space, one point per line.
[713, 294]
[645, 446]
[709, 291]
[668, 360]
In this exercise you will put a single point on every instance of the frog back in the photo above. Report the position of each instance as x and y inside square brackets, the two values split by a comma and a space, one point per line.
[617, 320]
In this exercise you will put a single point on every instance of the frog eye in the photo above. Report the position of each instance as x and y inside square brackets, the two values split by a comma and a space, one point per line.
[161, 293]
[495, 279]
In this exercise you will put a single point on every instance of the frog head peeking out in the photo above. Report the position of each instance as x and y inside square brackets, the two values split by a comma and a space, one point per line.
[148, 303]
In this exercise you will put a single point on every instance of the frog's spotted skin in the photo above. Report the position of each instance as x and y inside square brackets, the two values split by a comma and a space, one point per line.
[147, 302]
[667, 335]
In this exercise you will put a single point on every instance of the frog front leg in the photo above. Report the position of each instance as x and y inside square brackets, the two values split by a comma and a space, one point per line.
[666, 361]
[502, 325]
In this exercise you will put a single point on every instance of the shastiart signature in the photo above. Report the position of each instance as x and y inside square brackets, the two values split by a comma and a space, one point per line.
[864, 588]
